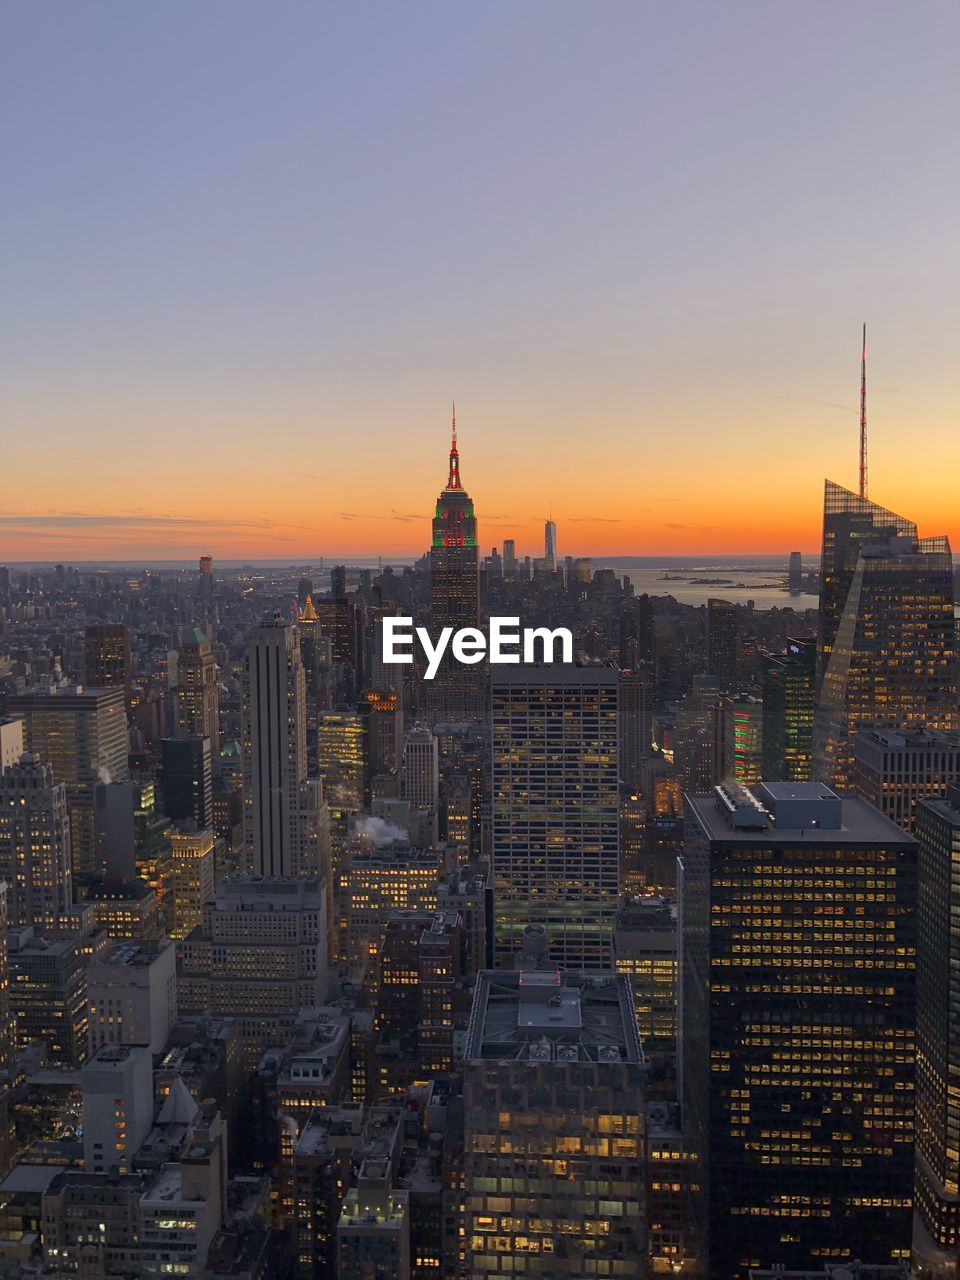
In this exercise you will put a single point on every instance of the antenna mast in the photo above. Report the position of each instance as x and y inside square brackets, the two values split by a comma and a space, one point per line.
[863, 415]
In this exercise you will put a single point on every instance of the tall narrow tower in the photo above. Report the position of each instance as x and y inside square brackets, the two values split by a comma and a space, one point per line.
[274, 750]
[863, 415]
[457, 693]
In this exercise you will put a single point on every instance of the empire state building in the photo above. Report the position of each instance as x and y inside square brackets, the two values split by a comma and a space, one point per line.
[457, 693]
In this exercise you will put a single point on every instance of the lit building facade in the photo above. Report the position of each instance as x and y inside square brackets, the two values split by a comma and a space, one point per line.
[887, 635]
[895, 771]
[799, 939]
[554, 1141]
[82, 734]
[937, 1238]
[197, 692]
[788, 683]
[34, 845]
[555, 810]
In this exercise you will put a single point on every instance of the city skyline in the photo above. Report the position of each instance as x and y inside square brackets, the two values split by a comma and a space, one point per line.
[618, 245]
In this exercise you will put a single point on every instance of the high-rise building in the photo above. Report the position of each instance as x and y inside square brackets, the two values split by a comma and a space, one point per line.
[11, 742]
[7, 1039]
[82, 734]
[722, 643]
[509, 559]
[795, 572]
[637, 639]
[937, 1236]
[132, 994]
[108, 663]
[550, 546]
[186, 778]
[34, 845]
[895, 771]
[274, 749]
[456, 694]
[259, 956]
[887, 636]
[645, 950]
[381, 711]
[555, 810]
[197, 696]
[421, 769]
[193, 856]
[340, 760]
[798, 938]
[742, 739]
[205, 585]
[554, 1141]
[787, 683]
[117, 1085]
[635, 722]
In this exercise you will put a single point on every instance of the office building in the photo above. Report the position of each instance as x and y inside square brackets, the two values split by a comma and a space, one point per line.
[887, 636]
[788, 683]
[381, 712]
[193, 862]
[937, 1198]
[742, 729]
[82, 734]
[34, 845]
[895, 771]
[555, 810]
[722, 643]
[117, 1084]
[554, 1105]
[197, 692]
[645, 951]
[274, 750]
[550, 546]
[11, 742]
[795, 573]
[509, 559]
[421, 769]
[456, 694]
[799, 937]
[108, 662]
[259, 956]
[635, 723]
[340, 761]
[186, 780]
[132, 994]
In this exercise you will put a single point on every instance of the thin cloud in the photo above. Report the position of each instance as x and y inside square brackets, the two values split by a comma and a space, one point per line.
[824, 404]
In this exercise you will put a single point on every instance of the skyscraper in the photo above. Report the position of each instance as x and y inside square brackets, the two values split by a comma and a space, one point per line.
[82, 734]
[795, 572]
[274, 749]
[186, 776]
[555, 810]
[787, 681]
[554, 1141]
[550, 546]
[421, 769]
[108, 663]
[509, 559]
[34, 845]
[198, 712]
[722, 633]
[636, 722]
[887, 636]
[938, 1036]
[457, 692]
[798, 937]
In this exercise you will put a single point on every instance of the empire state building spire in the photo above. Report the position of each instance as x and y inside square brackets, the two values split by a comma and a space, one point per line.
[453, 479]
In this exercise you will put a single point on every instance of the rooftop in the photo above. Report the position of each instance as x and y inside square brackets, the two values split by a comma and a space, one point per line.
[553, 1016]
[790, 813]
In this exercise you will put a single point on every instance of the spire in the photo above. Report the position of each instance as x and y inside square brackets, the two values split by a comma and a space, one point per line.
[453, 479]
[863, 415]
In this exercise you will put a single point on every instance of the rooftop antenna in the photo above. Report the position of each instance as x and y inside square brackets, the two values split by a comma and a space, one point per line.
[863, 415]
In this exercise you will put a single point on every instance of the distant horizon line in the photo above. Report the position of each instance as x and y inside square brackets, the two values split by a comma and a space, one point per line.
[357, 558]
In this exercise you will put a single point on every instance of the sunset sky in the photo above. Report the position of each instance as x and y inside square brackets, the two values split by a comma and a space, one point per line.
[251, 251]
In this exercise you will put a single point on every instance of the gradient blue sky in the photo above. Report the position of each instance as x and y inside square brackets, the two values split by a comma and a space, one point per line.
[250, 251]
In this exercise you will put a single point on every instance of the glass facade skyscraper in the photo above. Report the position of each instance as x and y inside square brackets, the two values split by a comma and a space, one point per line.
[887, 633]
